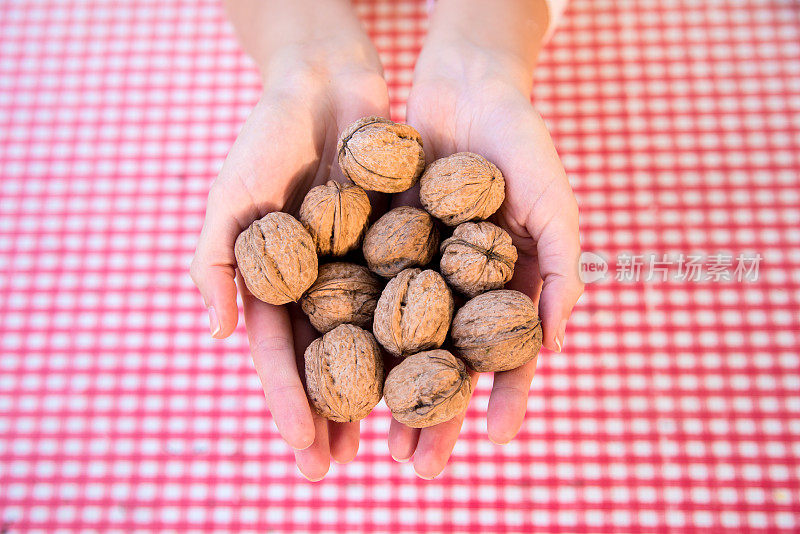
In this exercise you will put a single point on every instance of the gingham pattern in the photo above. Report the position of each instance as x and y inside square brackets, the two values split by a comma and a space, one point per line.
[675, 407]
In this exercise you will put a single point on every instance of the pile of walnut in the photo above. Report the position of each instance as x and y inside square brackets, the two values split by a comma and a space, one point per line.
[411, 314]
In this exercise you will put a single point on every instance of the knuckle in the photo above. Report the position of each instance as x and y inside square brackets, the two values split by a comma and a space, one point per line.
[282, 391]
[271, 346]
[573, 212]
[578, 285]
[216, 194]
[513, 390]
[573, 286]
[579, 289]
[196, 270]
[581, 285]
[232, 200]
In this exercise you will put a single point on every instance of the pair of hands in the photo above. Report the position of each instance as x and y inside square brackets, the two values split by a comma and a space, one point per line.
[288, 145]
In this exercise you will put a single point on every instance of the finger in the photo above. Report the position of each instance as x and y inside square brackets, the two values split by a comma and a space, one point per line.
[272, 347]
[508, 402]
[231, 208]
[540, 202]
[255, 179]
[314, 461]
[343, 439]
[436, 444]
[212, 267]
[558, 249]
[551, 221]
[526, 276]
[402, 441]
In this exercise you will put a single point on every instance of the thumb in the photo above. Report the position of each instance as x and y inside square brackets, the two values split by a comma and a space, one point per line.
[558, 249]
[240, 195]
[213, 266]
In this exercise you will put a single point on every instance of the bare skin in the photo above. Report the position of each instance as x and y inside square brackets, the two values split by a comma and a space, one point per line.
[471, 92]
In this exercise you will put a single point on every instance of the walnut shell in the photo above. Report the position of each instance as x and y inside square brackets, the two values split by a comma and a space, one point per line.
[336, 215]
[276, 258]
[403, 237]
[413, 313]
[478, 257]
[342, 293]
[427, 389]
[380, 155]
[344, 373]
[497, 331]
[462, 187]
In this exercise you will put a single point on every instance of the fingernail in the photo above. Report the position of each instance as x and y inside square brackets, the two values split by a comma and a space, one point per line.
[562, 330]
[498, 442]
[311, 479]
[213, 321]
[301, 442]
[400, 460]
[421, 476]
[303, 447]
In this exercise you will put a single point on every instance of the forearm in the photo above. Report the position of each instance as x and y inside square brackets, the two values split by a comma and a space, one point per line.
[320, 33]
[473, 39]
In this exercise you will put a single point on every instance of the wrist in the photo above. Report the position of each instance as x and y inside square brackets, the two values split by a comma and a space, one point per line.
[319, 63]
[475, 42]
[301, 37]
[464, 64]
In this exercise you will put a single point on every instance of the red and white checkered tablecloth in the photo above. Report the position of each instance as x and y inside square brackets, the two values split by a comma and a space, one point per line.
[674, 408]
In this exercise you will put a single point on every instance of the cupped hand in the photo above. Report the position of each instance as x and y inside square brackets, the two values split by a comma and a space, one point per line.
[540, 213]
[286, 146]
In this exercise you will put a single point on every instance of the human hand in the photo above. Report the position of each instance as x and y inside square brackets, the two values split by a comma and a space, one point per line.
[286, 146]
[489, 115]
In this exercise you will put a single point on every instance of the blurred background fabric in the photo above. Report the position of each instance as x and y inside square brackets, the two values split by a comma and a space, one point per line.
[674, 408]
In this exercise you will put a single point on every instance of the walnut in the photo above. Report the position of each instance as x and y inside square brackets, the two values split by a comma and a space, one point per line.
[276, 258]
[343, 293]
[462, 187]
[497, 331]
[380, 155]
[413, 313]
[404, 237]
[344, 373]
[336, 215]
[427, 389]
[478, 257]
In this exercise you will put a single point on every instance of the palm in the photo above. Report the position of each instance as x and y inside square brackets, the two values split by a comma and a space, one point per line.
[539, 212]
[498, 124]
[287, 146]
